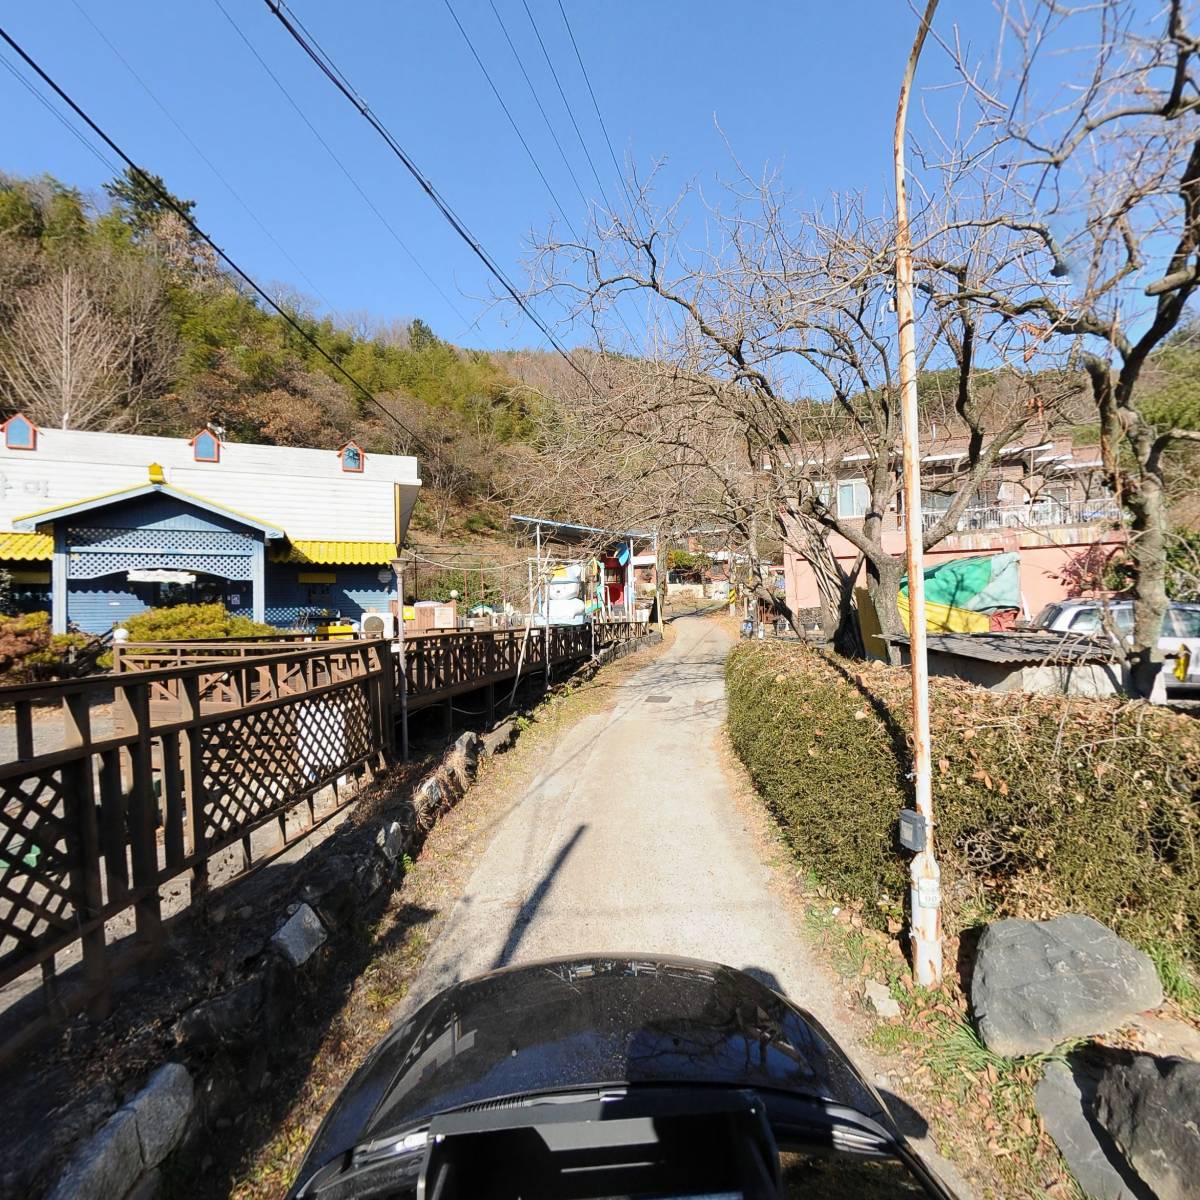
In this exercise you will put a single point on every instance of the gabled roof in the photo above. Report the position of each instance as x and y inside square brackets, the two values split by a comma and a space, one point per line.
[47, 516]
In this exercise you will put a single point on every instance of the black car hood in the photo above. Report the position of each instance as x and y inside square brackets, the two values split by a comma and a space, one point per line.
[573, 1023]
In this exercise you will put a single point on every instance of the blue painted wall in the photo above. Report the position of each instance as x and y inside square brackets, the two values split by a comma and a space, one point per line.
[355, 590]
[95, 605]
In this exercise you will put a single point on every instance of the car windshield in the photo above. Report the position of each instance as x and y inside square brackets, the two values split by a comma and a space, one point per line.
[1095, 618]
[1045, 619]
[1182, 622]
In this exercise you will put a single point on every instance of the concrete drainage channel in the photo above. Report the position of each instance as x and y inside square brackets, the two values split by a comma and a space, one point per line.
[223, 1047]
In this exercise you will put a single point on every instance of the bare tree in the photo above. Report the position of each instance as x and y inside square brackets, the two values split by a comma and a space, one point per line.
[61, 360]
[771, 369]
[1089, 159]
[131, 291]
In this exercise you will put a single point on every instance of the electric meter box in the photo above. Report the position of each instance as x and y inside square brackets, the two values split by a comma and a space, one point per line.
[913, 830]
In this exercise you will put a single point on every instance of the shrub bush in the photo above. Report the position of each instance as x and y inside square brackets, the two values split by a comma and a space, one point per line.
[195, 622]
[1044, 804]
[29, 652]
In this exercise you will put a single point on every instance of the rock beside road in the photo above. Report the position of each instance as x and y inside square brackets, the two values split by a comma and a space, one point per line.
[1151, 1108]
[1066, 1103]
[1038, 983]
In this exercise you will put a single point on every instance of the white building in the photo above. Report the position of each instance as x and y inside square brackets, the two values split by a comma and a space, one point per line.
[99, 526]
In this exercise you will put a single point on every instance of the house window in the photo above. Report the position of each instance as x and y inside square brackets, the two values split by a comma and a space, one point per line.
[352, 457]
[206, 446]
[854, 498]
[20, 433]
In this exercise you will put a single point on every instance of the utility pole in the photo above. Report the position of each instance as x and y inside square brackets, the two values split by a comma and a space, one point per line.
[925, 893]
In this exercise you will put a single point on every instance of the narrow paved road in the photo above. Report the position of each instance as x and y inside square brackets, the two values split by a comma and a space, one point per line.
[628, 841]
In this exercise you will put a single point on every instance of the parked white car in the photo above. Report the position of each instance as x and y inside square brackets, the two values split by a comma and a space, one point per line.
[1180, 631]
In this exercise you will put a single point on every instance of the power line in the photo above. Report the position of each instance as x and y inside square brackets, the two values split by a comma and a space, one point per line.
[511, 120]
[467, 324]
[204, 157]
[313, 49]
[596, 105]
[537, 100]
[166, 198]
[549, 126]
[567, 105]
[112, 167]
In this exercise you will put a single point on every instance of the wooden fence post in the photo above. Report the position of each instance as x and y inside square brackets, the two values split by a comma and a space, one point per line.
[83, 851]
[193, 783]
[132, 704]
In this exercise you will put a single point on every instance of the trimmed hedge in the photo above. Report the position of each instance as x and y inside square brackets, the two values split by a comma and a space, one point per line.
[1044, 804]
[192, 622]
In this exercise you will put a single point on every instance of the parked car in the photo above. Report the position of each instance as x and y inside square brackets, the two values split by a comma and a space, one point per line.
[610, 1076]
[1180, 633]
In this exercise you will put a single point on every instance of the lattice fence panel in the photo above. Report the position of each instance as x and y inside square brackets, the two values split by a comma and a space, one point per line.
[207, 541]
[257, 763]
[36, 904]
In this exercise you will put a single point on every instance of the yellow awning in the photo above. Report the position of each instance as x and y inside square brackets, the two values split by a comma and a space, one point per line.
[363, 554]
[26, 547]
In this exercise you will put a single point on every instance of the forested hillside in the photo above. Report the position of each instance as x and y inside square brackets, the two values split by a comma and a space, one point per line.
[114, 317]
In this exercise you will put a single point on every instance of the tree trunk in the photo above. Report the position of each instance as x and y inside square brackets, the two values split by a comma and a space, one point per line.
[1147, 548]
[883, 586]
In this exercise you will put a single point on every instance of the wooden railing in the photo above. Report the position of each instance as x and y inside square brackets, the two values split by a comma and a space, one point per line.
[206, 745]
[442, 665]
[200, 758]
[148, 656]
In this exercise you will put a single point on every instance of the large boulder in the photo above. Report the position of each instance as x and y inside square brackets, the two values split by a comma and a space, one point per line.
[1038, 983]
[106, 1165]
[162, 1108]
[1066, 1103]
[1151, 1108]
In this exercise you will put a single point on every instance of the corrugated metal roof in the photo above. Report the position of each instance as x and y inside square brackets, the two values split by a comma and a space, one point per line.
[1018, 647]
[26, 547]
[339, 553]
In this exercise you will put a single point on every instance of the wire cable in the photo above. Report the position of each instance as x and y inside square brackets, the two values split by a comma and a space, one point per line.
[167, 199]
[596, 105]
[313, 49]
[537, 100]
[567, 105]
[200, 153]
[467, 324]
[108, 162]
[511, 119]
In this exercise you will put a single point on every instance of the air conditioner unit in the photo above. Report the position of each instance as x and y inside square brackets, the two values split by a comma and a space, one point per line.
[378, 625]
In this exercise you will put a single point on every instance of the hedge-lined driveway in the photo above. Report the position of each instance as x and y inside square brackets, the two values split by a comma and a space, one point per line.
[628, 840]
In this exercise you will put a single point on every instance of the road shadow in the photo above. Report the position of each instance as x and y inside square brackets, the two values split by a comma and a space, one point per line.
[907, 1119]
[528, 910]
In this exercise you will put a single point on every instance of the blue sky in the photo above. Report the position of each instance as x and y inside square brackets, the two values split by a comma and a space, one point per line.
[807, 86]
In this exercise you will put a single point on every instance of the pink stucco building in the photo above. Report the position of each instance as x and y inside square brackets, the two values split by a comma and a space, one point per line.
[1045, 499]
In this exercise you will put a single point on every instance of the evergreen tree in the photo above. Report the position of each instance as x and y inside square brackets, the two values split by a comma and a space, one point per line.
[141, 200]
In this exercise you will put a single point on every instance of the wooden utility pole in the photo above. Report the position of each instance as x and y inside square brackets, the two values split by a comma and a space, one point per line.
[925, 892]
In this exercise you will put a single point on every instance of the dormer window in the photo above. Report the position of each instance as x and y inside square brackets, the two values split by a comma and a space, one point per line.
[352, 457]
[20, 433]
[206, 446]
